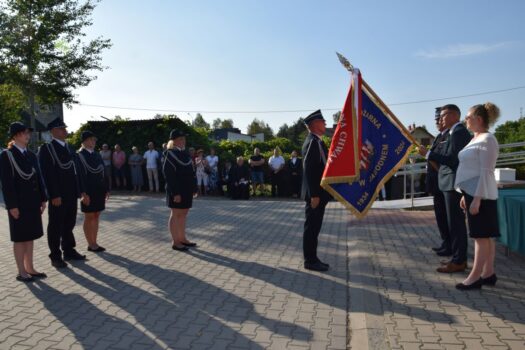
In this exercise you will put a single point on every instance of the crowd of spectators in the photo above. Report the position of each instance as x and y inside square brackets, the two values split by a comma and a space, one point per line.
[239, 179]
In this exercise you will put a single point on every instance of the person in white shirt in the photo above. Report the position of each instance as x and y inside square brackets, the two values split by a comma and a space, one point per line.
[475, 178]
[276, 163]
[202, 170]
[213, 163]
[152, 157]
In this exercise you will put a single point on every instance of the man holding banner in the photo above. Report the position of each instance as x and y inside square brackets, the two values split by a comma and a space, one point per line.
[314, 161]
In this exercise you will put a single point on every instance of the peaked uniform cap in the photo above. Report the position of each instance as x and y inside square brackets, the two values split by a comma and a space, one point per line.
[317, 115]
[57, 123]
[17, 127]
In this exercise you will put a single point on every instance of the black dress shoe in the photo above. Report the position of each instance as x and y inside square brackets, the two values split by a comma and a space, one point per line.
[436, 249]
[316, 266]
[38, 275]
[444, 252]
[96, 250]
[25, 279]
[475, 285]
[180, 249]
[74, 255]
[59, 263]
[324, 264]
[190, 244]
[490, 281]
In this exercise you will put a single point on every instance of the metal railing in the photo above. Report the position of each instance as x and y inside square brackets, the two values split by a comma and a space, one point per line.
[413, 169]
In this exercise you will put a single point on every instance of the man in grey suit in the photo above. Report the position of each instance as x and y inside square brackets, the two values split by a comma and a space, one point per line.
[458, 137]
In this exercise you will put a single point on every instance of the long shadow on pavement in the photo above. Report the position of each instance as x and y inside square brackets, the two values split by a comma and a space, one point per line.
[313, 286]
[91, 327]
[186, 308]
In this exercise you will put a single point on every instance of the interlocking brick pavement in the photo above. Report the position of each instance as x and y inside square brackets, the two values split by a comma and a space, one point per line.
[420, 308]
[243, 288]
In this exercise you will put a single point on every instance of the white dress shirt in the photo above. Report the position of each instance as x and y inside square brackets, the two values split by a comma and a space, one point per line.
[477, 161]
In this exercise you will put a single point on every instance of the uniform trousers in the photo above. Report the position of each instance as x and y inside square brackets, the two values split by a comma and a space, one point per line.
[62, 220]
[456, 226]
[440, 212]
[312, 227]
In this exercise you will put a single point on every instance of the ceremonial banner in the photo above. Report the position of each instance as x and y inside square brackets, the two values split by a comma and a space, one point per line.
[381, 145]
[342, 164]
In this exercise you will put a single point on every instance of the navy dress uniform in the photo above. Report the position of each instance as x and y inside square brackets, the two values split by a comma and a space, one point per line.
[91, 173]
[179, 173]
[432, 188]
[23, 188]
[58, 163]
[314, 160]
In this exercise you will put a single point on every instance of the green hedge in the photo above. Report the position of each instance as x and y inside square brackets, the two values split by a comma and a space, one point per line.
[129, 133]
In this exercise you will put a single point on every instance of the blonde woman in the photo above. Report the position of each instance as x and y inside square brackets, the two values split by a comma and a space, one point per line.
[91, 173]
[25, 199]
[475, 178]
[181, 187]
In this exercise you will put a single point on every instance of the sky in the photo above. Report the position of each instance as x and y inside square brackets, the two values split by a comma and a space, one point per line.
[256, 56]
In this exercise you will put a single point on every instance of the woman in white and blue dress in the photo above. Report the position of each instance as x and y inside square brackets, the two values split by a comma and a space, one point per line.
[475, 178]
[91, 173]
[25, 199]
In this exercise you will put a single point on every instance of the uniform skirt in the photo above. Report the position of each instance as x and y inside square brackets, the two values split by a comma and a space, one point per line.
[27, 227]
[185, 203]
[485, 223]
[97, 202]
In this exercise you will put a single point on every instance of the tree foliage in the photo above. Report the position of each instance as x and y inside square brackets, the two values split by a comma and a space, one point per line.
[222, 124]
[12, 102]
[199, 122]
[44, 51]
[259, 126]
[511, 131]
[296, 132]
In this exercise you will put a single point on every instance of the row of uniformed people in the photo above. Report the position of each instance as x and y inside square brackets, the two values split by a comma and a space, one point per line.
[58, 175]
[69, 175]
[61, 176]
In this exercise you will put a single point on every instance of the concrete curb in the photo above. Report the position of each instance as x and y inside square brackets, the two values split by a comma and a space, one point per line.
[366, 325]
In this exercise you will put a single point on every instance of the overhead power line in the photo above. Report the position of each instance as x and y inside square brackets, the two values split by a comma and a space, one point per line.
[173, 110]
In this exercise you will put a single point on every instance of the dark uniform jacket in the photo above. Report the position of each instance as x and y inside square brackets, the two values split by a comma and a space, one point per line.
[91, 182]
[296, 168]
[438, 146]
[314, 160]
[179, 173]
[456, 140]
[239, 172]
[59, 182]
[20, 193]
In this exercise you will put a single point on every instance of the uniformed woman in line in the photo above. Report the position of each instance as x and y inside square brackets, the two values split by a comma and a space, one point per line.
[91, 172]
[181, 187]
[25, 199]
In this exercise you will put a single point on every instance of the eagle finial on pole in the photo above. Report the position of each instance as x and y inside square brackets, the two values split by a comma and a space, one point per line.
[345, 62]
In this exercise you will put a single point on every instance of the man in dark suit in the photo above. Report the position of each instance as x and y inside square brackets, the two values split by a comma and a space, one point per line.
[458, 137]
[432, 187]
[314, 160]
[57, 160]
[295, 167]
